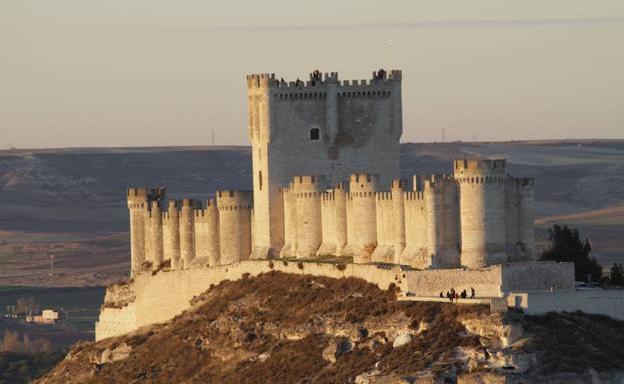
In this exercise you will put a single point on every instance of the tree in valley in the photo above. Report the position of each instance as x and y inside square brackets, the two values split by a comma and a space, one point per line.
[25, 306]
[616, 277]
[566, 245]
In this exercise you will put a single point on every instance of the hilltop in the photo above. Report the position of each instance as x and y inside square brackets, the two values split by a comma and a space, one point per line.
[281, 328]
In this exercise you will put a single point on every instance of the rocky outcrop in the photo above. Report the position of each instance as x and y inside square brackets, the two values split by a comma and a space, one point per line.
[113, 354]
[283, 328]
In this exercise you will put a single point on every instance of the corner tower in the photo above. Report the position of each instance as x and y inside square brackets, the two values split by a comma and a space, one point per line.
[321, 126]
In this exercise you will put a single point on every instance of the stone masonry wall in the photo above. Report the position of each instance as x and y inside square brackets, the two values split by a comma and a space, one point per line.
[487, 282]
[542, 276]
[153, 299]
[320, 126]
[604, 302]
[161, 297]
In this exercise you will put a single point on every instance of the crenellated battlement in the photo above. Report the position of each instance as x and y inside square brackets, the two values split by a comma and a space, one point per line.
[261, 80]
[172, 211]
[301, 183]
[316, 88]
[383, 196]
[189, 204]
[308, 195]
[207, 214]
[482, 179]
[363, 182]
[158, 194]
[288, 189]
[137, 193]
[333, 193]
[155, 209]
[138, 198]
[483, 167]
[361, 195]
[234, 200]
[435, 183]
[398, 185]
[521, 181]
[414, 195]
[328, 196]
[199, 213]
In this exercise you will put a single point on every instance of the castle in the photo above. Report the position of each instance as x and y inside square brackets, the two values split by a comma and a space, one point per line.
[326, 184]
[325, 168]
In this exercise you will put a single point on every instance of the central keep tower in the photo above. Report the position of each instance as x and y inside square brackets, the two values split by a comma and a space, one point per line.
[321, 126]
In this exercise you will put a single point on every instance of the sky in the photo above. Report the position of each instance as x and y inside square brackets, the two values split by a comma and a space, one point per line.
[154, 72]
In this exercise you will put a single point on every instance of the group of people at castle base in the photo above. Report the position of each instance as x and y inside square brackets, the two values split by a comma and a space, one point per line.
[453, 295]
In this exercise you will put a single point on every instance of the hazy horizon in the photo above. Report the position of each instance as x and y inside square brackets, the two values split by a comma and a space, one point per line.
[152, 73]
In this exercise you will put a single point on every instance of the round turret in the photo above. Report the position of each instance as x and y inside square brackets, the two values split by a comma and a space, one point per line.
[171, 235]
[137, 205]
[334, 221]
[307, 190]
[155, 239]
[234, 225]
[212, 233]
[398, 203]
[361, 217]
[187, 232]
[482, 211]
[526, 193]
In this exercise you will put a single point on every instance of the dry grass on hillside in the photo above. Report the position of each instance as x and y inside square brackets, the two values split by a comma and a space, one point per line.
[278, 328]
[289, 318]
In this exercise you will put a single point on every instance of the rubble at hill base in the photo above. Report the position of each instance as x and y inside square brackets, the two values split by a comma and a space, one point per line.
[281, 328]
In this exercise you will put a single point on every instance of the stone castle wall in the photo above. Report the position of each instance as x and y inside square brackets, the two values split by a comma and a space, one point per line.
[471, 219]
[603, 302]
[153, 299]
[186, 234]
[531, 276]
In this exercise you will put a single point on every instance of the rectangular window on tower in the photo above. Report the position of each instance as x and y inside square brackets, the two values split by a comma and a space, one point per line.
[260, 180]
[314, 134]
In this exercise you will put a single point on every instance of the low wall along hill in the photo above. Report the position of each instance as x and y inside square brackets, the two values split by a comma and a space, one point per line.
[153, 299]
